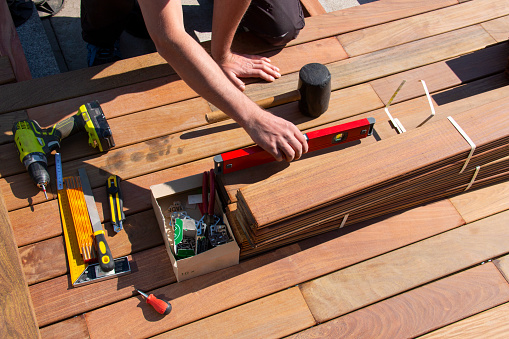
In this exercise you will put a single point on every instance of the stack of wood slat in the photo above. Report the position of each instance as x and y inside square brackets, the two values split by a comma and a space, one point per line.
[341, 188]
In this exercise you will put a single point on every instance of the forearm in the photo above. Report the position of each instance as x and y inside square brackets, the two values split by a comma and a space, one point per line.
[226, 19]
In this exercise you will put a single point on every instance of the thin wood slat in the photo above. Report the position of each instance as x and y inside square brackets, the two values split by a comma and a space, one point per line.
[10, 46]
[492, 323]
[275, 271]
[423, 309]
[498, 28]
[503, 265]
[18, 317]
[56, 300]
[421, 26]
[6, 71]
[384, 276]
[274, 316]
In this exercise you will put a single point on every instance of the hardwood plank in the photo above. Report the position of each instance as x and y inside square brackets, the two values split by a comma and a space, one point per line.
[379, 278]
[6, 71]
[274, 316]
[82, 82]
[414, 54]
[313, 7]
[18, 318]
[423, 309]
[421, 26]
[498, 28]
[483, 202]
[55, 299]
[45, 258]
[369, 14]
[492, 323]
[74, 328]
[10, 45]
[442, 75]
[278, 270]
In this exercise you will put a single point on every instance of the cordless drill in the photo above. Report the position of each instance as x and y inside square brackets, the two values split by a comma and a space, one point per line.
[34, 143]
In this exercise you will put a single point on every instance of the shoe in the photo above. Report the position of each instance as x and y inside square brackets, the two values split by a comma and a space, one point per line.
[102, 55]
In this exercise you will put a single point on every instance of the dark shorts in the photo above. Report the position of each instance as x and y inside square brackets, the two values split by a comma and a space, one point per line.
[103, 21]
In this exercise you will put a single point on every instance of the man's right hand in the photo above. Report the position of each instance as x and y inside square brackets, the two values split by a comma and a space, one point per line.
[282, 139]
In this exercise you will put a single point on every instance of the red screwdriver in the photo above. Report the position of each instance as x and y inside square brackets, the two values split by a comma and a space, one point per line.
[159, 305]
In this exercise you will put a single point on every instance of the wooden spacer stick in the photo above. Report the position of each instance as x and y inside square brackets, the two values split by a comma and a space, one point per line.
[276, 100]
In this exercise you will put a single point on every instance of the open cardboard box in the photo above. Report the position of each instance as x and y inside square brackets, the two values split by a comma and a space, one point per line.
[173, 193]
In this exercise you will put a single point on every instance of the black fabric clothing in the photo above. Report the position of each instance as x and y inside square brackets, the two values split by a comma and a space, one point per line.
[103, 21]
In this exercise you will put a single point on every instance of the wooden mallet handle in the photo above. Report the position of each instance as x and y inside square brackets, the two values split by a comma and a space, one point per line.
[276, 100]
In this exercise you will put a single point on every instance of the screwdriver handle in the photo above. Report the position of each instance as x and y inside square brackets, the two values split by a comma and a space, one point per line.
[103, 250]
[159, 305]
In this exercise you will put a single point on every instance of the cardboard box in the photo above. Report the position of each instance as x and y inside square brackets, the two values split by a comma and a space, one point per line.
[173, 195]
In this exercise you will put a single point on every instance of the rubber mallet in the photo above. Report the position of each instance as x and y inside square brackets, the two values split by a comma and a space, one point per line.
[313, 94]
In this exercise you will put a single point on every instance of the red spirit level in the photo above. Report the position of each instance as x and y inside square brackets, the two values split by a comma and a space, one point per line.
[255, 155]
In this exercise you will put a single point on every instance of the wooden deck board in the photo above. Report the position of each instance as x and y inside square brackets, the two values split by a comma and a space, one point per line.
[491, 323]
[274, 316]
[409, 267]
[421, 26]
[462, 58]
[424, 309]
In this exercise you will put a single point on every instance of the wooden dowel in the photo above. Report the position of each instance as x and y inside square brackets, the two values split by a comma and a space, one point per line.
[273, 101]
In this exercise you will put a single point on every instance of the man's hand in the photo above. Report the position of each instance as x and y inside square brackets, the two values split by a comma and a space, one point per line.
[237, 66]
[279, 137]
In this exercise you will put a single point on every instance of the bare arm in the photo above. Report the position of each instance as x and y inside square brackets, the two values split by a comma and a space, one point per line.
[194, 65]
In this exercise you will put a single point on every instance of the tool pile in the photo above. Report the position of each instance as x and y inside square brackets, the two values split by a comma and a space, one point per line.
[343, 188]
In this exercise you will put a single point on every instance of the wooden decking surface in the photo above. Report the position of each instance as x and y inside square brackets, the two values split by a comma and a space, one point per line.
[436, 270]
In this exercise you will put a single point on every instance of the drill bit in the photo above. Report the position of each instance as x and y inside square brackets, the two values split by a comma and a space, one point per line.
[44, 191]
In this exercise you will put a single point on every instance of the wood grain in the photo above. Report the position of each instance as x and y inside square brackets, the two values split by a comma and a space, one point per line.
[491, 323]
[46, 257]
[18, 318]
[503, 266]
[379, 278]
[482, 202]
[396, 59]
[274, 316]
[73, 328]
[423, 309]
[275, 271]
[10, 46]
[421, 26]
[498, 28]
[56, 300]
[369, 14]
[442, 75]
